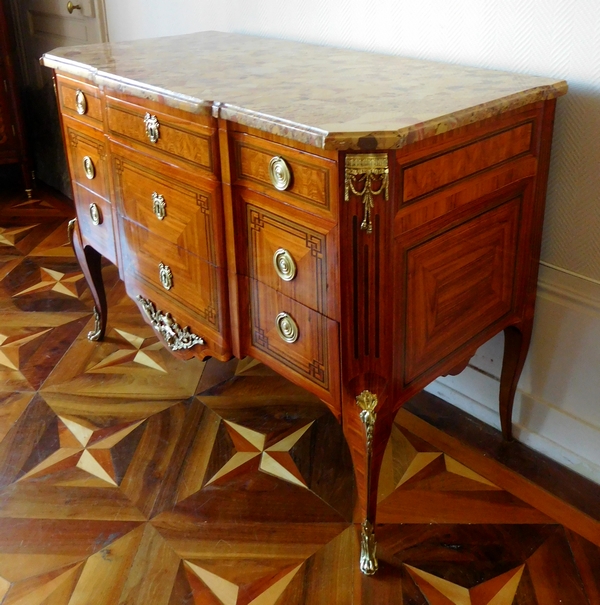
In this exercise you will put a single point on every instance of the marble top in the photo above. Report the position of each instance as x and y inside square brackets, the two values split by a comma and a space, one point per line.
[326, 97]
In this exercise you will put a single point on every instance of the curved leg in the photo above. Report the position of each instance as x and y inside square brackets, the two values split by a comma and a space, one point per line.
[367, 428]
[367, 402]
[516, 345]
[90, 262]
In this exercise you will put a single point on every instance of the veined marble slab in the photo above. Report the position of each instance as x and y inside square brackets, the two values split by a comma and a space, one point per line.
[327, 97]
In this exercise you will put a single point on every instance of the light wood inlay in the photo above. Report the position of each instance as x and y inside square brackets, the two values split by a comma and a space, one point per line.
[310, 355]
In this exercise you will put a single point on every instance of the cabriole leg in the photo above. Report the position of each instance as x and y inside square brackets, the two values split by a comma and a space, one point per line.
[516, 345]
[367, 402]
[90, 262]
[367, 419]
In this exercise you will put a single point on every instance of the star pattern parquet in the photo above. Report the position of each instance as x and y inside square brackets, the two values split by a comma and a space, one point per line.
[130, 477]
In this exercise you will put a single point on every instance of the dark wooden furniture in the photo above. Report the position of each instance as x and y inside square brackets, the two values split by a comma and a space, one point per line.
[361, 259]
[13, 149]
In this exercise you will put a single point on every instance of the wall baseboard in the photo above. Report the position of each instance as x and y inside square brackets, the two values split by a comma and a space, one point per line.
[557, 406]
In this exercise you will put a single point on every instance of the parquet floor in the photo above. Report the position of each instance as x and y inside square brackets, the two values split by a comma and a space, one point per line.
[129, 477]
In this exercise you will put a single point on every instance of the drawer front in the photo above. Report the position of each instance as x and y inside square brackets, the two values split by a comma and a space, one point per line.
[293, 339]
[186, 336]
[175, 272]
[430, 174]
[94, 216]
[288, 255]
[80, 100]
[88, 159]
[185, 215]
[301, 179]
[166, 137]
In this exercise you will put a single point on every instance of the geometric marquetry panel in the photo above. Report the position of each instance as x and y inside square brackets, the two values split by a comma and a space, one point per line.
[56, 281]
[269, 590]
[31, 344]
[55, 244]
[500, 590]
[128, 362]
[128, 476]
[12, 235]
[44, 284]
[274, 459]
[449, 565]
[420, 484]
[458, 282]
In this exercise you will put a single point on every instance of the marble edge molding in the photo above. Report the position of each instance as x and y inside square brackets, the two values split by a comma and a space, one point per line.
[108, 81]
[317, 137]
[274, 125]
[385, 140]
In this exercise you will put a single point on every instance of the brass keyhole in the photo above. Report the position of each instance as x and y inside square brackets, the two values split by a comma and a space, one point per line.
[152, 126]
[165, 275]
[159, 206]
[71, 7]
[80, 103]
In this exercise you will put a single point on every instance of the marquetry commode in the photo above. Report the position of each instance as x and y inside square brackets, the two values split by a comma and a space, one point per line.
[358, 222]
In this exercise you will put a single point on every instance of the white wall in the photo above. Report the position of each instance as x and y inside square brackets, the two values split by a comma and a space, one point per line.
[559, 401]
[557, 406]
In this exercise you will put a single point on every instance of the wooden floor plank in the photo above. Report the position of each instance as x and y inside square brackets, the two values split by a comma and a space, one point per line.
[128, 476]
[541, 487]
[105, 573]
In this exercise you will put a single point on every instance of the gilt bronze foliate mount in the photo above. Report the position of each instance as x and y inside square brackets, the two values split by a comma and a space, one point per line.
[176, 337]
[367, 402]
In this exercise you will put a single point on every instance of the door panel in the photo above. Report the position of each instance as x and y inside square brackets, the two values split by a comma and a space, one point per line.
[46, 24]
[40, 26]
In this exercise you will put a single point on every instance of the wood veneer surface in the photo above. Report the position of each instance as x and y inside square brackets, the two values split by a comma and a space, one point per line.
[128, 476]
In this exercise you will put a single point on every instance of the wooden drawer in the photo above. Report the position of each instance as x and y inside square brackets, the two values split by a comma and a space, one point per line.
[156, 305]
[288, 253]
[95, 219]
[80, 100]
[157, 197]
[195, 283]
[312, 179]
[456, 158]
[180, 142]
[312, 360]
[88, 159]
